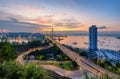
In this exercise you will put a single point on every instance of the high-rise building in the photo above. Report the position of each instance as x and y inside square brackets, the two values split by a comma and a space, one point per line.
[93, 38]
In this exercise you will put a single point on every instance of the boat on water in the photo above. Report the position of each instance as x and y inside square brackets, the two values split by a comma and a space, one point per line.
[74, 43]
[59, 39]
[86, 43]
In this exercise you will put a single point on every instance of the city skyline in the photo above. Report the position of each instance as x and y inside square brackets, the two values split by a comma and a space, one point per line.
[64, 15]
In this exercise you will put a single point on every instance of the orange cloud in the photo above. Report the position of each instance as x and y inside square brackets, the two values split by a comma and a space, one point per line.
[41, 21]
[28, 7]
[45, 20]
[47, 29]
[29, 11]
[4, 30]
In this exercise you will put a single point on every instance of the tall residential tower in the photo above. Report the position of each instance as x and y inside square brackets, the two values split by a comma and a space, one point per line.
[93, 38]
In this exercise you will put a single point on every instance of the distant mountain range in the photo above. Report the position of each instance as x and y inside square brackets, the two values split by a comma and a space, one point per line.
[64, 33]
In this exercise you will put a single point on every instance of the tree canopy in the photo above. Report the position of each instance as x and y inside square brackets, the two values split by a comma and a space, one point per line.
[13, 70]
[7, 52]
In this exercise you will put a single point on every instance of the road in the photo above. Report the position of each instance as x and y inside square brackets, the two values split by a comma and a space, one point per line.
[20, 57]
[79, 74]
[66, 73]
[84, 63]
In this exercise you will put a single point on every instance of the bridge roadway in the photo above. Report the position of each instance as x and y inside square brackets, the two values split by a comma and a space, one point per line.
[84, 63]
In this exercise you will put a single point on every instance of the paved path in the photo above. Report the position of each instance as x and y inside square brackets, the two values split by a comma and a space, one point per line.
[20, 57]
[62, 72]
[67, 73]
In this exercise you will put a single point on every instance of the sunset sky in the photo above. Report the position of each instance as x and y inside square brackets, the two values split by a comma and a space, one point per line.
[63, 15]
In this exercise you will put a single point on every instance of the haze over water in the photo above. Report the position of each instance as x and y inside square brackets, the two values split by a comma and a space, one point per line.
[104, 42]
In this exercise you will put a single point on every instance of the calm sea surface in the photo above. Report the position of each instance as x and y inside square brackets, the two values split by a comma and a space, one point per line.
[104, 42]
